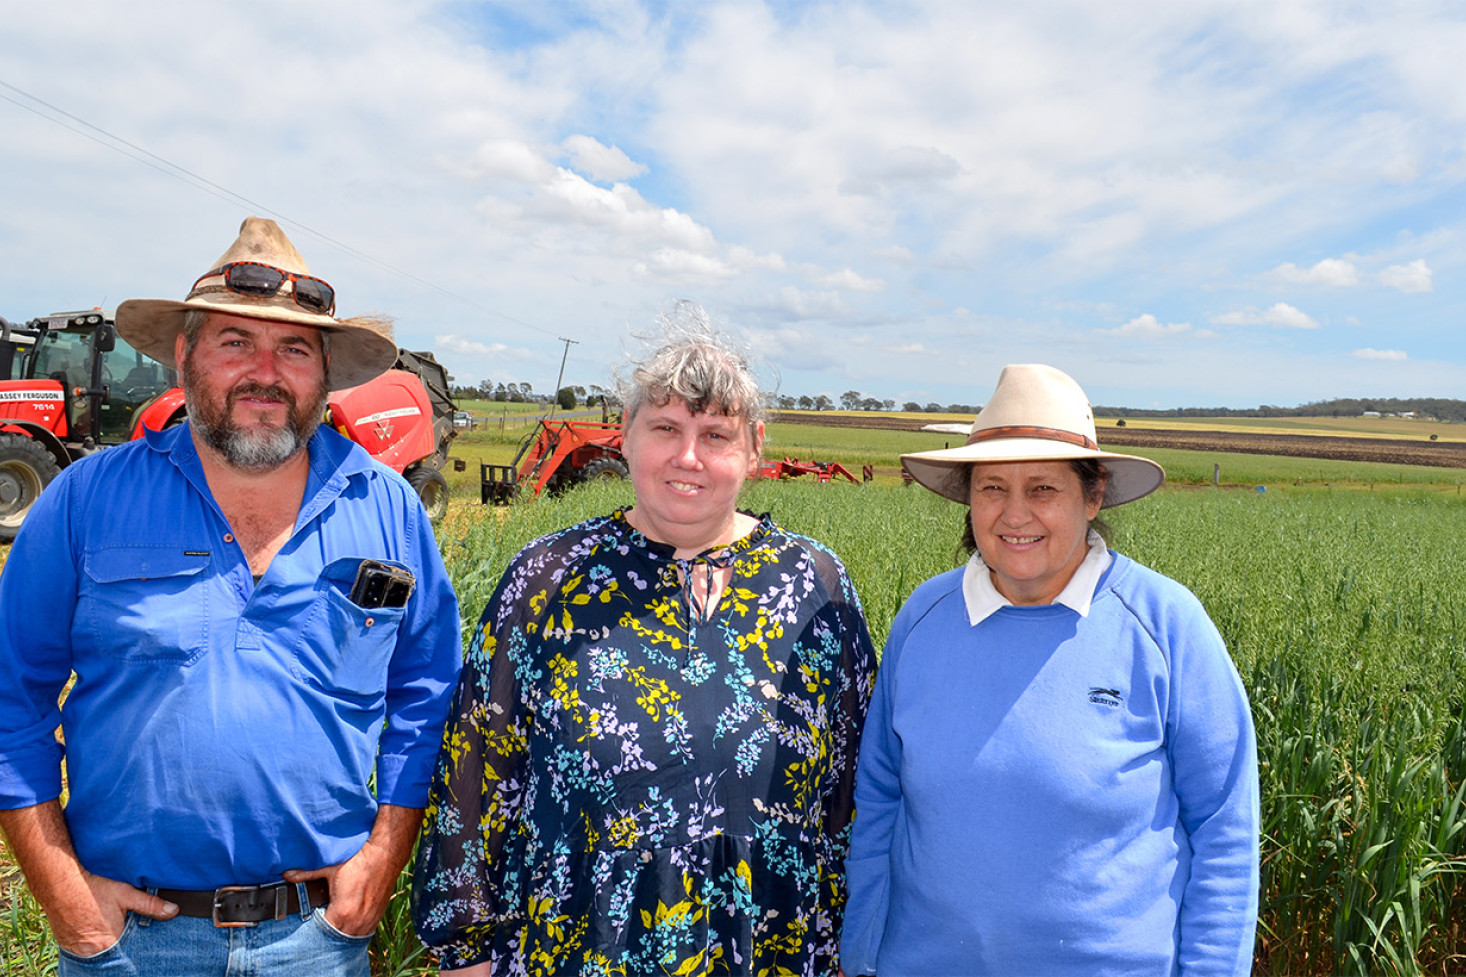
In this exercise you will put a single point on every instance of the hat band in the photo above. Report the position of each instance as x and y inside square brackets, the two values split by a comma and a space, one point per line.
[1028, 431]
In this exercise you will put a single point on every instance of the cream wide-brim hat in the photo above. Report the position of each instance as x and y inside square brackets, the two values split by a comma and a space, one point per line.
[1037, 413]
[360, 349]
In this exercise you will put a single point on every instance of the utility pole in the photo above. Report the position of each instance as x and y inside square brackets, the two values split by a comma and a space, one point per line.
[555, 402]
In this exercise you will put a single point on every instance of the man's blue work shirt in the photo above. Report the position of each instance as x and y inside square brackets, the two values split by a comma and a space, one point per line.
[219, 732]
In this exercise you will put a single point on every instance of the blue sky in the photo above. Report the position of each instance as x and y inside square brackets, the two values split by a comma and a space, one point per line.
[1181, 204]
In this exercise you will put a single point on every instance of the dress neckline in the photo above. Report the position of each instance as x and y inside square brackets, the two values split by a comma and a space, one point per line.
[699, 608]
[713, 554]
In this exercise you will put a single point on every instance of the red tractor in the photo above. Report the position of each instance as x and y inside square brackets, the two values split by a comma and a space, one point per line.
[555, 456]
[559, 454]
[69, 386]
[822, 472]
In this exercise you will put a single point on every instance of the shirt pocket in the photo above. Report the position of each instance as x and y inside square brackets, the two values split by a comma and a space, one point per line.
[345, 648]
[146, 604]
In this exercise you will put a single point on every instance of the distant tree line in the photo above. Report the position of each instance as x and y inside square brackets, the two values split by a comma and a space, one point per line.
[514, 393]
[1426, 408]
[855, 400]
[520, 393]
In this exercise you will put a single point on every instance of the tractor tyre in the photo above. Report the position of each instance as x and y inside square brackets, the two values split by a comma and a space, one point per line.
[26, 467]
[606, 466]
[432, 488]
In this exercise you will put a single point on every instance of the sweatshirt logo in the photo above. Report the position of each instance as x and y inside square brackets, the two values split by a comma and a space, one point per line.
[1105, 697]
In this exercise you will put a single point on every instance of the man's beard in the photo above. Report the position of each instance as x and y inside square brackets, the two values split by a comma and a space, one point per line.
[258, 449]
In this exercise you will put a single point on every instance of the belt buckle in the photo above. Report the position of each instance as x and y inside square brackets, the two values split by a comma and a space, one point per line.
[219, 894]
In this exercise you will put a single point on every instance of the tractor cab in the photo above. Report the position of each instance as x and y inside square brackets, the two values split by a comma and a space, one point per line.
[102, 381]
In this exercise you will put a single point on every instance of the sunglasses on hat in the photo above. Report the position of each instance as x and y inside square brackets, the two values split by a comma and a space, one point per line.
[263, 281]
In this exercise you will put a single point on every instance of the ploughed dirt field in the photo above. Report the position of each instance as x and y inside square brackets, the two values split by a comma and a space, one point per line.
[1438, 454]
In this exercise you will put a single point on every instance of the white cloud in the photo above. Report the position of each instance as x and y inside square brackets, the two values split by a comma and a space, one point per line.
[575, 214]
[747, 259]
[896, 254]
[504, 174]
[508, 159]
[461, 344]
[472, 360]
[621, 210]
[1410, 279]
[1281, 315]
[795, 349]
[1147, 326]
[919, 168]
[1390, 355]
[798, 303]
[604, 164]
[675, 265]
[1333, 272]
[848, 280]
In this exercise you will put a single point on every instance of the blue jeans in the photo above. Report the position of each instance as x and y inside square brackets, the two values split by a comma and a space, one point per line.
[187, 946]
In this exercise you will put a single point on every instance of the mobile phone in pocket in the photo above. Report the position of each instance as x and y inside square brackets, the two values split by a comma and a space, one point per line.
[380, 584]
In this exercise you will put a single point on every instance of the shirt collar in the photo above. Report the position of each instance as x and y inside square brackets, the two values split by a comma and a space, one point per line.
[983, 599]
[334, 460]
[328, 450]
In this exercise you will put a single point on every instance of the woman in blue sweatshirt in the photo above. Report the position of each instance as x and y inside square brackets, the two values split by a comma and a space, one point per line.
[1059, 771]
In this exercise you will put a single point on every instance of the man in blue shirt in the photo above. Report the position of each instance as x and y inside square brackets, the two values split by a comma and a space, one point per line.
[259, 624]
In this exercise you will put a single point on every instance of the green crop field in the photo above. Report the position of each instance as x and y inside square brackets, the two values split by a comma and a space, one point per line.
[1276, 472]
[1349, 427]
[1341, 592]
[1346, 615]
[1356, 427]
[854, 447]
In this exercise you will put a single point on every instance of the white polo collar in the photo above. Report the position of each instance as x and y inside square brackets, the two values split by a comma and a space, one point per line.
[982, 598]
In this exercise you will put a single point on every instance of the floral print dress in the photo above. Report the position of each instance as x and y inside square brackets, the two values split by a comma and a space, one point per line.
[634, 783]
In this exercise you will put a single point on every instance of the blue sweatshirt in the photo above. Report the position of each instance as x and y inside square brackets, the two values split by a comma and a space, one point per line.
[1049, 793]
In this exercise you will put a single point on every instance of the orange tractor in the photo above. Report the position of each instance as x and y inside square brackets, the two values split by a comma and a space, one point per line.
[562, 453]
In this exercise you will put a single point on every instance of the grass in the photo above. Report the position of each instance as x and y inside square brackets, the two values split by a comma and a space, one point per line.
[1341, 592]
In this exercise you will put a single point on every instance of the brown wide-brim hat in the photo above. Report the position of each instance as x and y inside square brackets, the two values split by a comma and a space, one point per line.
[1037, 413]
[360, 349]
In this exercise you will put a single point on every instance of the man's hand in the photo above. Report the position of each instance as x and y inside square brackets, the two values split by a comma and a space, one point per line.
[92, 920]
[361, 886]
[86, 911]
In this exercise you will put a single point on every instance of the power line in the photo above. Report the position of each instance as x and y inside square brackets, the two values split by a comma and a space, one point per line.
[148, 158]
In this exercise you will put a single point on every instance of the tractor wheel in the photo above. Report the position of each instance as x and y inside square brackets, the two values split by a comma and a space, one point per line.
[605, 466]
[432, 488]
[26, 467]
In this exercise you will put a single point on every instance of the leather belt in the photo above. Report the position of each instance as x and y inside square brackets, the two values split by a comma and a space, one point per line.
[246, 905]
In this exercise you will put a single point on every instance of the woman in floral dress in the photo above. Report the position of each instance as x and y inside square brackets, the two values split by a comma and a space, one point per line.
[649, 768]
